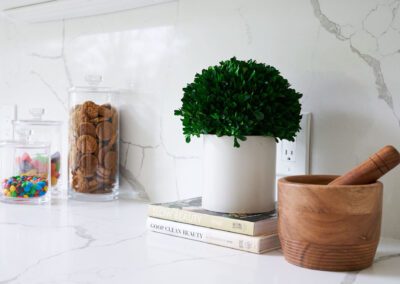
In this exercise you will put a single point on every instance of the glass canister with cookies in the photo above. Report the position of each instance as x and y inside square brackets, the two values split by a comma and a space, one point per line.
[93, 142]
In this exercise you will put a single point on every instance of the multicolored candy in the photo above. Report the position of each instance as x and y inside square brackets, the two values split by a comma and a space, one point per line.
[25, 186]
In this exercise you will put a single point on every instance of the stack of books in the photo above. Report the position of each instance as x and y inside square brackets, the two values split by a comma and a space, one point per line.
[255, 233]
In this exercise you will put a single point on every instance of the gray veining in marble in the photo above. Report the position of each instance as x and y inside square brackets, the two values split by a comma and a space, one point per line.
[51, 89]
[373, 62]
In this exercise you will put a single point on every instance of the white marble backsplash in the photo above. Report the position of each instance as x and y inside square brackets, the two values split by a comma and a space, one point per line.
[344, 56]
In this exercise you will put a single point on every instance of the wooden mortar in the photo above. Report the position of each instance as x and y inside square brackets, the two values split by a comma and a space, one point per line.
[329, 227]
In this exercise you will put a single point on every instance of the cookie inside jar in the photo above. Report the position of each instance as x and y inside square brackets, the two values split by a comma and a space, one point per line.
[93, 155]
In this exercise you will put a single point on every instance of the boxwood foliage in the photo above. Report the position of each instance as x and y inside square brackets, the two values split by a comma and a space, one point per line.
[240, 98]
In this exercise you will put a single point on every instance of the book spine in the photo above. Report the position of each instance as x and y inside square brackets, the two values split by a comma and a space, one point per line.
[198, 219]
[211, 236]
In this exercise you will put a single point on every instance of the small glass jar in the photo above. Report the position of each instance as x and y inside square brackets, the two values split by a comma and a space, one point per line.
[37, 130]
[25, 172]
[93, 142]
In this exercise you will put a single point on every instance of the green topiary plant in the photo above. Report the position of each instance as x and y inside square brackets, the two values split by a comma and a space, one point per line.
[240, 98]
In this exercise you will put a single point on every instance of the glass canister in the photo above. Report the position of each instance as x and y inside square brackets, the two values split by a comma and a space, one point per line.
[25, 172]
[36, 130]
[93, 142]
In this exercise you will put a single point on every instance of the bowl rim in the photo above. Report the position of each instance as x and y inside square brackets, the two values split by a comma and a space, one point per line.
[288, 180]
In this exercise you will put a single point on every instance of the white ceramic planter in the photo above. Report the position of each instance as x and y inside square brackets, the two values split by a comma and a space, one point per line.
[239, 180]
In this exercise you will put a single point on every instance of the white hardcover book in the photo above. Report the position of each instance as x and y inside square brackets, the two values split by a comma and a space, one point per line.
[254, 244]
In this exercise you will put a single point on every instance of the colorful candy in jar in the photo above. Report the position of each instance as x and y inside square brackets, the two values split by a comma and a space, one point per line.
[55, 168]
[25, 186]
[38, 166]
[33, 167]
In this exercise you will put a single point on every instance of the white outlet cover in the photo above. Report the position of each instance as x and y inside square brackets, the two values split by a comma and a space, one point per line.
[298, 162]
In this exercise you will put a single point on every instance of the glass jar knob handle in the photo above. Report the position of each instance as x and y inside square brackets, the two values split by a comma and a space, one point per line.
[37, 113]
[93, 79]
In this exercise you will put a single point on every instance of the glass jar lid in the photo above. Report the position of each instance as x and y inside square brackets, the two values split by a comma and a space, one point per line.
[22, 144]
[37, 114]
[93, 86]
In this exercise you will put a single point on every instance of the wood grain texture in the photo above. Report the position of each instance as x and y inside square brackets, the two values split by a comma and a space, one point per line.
[329, 227]
[372, 169]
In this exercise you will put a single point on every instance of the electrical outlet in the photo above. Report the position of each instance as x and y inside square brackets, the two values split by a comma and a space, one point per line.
[8, 113]
[293, 157]
[288, 151]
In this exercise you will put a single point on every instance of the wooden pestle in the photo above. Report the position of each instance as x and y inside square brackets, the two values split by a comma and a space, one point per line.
[372, 169]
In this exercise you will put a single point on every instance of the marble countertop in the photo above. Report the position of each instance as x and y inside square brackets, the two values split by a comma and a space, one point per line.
[78, 242]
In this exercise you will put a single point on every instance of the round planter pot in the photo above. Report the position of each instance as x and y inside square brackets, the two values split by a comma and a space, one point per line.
[329, 227]
[239, 180]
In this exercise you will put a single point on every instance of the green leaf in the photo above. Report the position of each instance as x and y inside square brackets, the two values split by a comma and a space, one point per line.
[236, 143]
[259, 115]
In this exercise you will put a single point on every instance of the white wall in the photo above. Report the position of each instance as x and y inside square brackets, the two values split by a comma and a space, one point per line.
[342, 55]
